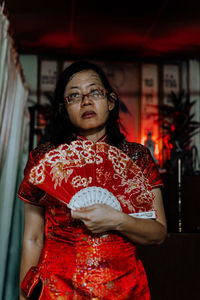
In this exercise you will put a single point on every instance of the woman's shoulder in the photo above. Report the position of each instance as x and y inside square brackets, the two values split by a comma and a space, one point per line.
[141, 155]
[38, 152]
[134, 150]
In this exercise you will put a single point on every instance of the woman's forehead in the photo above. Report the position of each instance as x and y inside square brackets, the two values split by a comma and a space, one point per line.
[86, 77]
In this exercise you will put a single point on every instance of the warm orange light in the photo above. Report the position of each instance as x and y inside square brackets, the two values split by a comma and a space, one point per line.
[156, 148]
[143, 140]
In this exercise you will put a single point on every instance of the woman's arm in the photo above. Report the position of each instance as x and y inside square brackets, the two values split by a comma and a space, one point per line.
[100, 218]
[33, 239]
[146, 231]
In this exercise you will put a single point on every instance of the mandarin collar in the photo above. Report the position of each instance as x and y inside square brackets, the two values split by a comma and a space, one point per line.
[102, 139]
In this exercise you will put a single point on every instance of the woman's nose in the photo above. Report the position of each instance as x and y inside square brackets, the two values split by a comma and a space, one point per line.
[86, 100]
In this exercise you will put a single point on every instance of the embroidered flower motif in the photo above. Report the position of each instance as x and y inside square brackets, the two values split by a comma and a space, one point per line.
[84, 164]
[59, 175]
[37, 174]
[79, 181]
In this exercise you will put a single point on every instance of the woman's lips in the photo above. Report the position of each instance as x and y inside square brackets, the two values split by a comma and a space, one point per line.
[88, 114]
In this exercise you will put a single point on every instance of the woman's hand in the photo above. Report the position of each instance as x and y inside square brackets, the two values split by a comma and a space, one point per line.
[98, 218]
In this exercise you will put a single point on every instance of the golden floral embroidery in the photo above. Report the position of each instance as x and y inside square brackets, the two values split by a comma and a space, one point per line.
[79, 181]
[37, 174]
[69, 168]
[59, 175]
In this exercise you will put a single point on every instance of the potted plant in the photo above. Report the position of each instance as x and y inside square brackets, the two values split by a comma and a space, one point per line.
[178, 127]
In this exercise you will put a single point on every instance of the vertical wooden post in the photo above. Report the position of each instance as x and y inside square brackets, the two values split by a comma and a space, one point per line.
[179, 195]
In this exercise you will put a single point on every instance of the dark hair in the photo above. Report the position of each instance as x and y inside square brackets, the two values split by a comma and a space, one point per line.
[60, 129]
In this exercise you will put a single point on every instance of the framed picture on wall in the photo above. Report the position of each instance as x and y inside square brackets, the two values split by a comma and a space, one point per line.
[149, 110]
[170, 81]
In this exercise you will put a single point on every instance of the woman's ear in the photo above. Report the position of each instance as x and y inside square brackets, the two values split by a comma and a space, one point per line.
[111, 100]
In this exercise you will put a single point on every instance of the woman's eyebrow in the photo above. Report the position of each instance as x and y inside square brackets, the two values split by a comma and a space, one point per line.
[93, 84]
[73, 87]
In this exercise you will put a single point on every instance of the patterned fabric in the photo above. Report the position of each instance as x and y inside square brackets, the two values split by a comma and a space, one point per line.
[142, 157]
[77, 264]
[69, 170]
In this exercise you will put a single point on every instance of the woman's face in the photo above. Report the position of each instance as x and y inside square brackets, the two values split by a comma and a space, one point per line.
[88, 116]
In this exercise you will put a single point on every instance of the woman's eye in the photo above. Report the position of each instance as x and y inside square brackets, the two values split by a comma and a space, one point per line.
[95, 92]
[74, 95]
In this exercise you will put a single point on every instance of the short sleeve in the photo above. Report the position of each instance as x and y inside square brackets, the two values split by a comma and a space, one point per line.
[150, 169]
[141, 155]
[27, 191]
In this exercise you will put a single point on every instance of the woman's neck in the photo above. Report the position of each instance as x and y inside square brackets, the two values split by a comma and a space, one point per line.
[93, 136]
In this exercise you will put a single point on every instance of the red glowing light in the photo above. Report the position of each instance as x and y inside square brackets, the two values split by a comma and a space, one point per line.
[156, 145]
[172, 128]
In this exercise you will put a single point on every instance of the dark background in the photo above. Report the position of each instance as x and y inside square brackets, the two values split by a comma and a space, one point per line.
[107, 29]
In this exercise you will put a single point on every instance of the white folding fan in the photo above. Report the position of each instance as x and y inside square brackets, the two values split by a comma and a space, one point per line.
[84, 173]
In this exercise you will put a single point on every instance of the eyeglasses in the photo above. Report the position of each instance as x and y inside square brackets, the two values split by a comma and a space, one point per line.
[94, 95]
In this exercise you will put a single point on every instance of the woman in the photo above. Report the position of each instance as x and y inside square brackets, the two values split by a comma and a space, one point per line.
[76, 260]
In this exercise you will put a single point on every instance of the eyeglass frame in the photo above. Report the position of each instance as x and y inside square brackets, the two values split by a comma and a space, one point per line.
[86, 95]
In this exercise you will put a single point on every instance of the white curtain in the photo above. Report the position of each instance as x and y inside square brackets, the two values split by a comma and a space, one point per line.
[14, 128]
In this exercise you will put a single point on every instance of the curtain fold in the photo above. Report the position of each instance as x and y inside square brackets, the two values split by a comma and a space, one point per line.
[8, 104]
[4, 24]
[14, 130]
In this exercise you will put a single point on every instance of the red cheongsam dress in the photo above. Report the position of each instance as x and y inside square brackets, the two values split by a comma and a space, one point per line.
[77, 264]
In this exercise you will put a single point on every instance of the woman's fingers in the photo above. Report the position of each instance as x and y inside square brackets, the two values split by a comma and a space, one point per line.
[80, 214]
